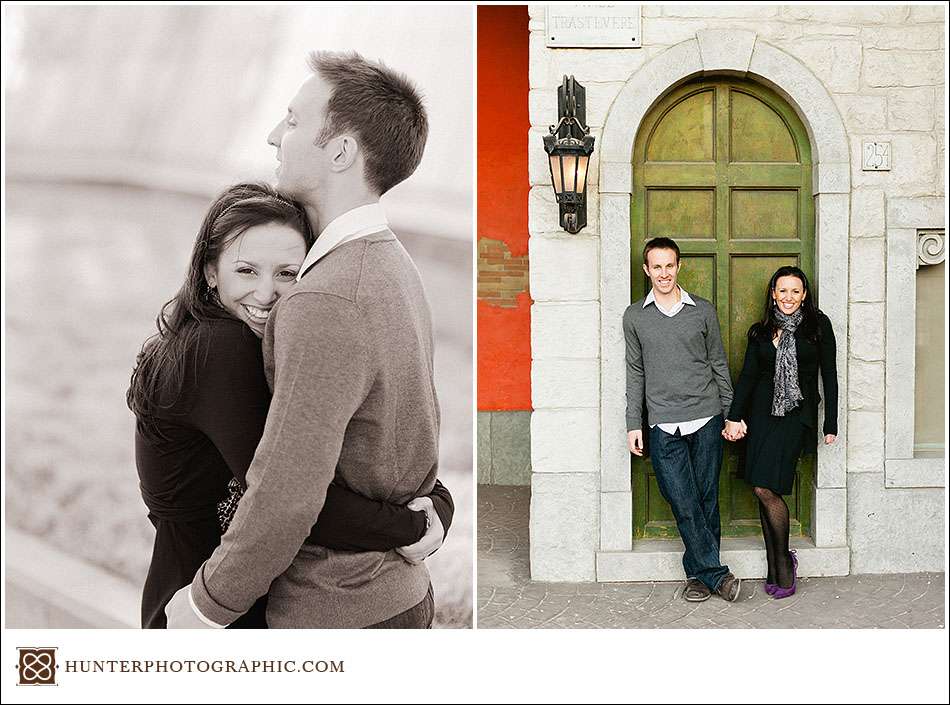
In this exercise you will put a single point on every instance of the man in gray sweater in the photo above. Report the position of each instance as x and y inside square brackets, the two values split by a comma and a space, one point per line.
[675, 360]
[349, 356]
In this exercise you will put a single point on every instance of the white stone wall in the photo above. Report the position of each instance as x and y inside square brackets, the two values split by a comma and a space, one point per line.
[884, 68]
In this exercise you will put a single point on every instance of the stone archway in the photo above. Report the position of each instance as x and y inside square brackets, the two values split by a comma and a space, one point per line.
[738, 53]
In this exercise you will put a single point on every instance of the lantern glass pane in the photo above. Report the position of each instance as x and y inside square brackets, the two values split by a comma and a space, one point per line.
[582, 164]
[569, 165]
[556, 175]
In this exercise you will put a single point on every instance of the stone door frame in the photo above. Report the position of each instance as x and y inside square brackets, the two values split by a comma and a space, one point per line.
[615, 557]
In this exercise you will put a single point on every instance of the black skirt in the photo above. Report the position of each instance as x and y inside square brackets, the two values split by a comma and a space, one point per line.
[179, 550]
[773, 447]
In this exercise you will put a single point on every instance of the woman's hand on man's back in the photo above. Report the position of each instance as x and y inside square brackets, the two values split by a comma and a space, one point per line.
[433, 537]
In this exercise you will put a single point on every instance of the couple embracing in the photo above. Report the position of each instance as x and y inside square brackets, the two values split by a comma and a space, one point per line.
[292, 482]
[676, 363]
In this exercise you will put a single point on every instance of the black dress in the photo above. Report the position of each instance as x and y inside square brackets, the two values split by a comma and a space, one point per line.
[207, 435]
[774, 443]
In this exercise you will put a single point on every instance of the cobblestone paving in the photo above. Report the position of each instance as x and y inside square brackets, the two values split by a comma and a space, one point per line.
[508, 599]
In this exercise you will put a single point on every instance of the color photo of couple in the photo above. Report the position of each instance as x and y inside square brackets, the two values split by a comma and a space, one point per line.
[677, 369]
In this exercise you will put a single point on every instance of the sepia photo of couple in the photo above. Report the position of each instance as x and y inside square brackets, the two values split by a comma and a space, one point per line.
[284, 426]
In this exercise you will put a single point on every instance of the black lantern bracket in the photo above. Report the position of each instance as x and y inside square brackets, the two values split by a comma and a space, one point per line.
[569, 146]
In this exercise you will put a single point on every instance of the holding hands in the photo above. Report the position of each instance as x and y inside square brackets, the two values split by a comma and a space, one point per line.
[734, 430]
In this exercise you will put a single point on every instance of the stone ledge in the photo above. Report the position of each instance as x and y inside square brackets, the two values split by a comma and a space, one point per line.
[915, 472]
[661, 560]
[60, 591]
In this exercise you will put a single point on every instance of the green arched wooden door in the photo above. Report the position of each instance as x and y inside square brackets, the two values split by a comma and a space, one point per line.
[724, 168]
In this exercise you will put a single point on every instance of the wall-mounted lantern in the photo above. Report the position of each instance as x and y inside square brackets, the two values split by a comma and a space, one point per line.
[569, 146]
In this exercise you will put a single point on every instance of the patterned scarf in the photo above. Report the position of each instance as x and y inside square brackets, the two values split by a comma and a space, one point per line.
[787, 394]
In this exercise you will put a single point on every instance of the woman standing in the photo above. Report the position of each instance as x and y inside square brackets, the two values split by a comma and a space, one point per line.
[776, 404]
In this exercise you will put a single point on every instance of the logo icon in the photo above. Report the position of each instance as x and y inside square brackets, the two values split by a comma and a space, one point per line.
[37, 666]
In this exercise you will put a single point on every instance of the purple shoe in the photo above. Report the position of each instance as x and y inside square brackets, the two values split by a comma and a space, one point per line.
[780, 592]
[770, 587]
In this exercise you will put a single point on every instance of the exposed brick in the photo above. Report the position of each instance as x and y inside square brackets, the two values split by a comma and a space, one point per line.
[501, 276]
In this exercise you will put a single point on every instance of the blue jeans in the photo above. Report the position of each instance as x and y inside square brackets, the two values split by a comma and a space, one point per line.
[687, 473]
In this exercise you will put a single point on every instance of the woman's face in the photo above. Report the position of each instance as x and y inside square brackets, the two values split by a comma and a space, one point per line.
[789, 292]
[255, 270]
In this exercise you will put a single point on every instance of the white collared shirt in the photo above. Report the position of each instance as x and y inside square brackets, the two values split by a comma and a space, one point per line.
[685, 427]
[685, 298]
[194, 608]
[355, 223]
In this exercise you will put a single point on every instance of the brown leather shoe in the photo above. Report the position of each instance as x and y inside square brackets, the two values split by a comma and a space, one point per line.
[729, 588]
[695, 591]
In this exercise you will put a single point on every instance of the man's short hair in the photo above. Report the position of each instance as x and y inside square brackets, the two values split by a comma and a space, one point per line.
[382, 109]
[661, 243]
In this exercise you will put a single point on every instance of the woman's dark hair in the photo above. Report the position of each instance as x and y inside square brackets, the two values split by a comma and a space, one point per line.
[160, 366]
[768, 326]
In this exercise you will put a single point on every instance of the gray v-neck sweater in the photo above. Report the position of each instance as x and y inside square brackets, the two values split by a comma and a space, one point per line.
[678, 363]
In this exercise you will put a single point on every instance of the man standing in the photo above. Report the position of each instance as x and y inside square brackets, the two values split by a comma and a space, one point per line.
[676, 360]
[349, 354]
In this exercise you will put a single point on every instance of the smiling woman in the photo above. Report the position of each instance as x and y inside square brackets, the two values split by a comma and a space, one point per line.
[224, 230]
[256, 269]
[789, 292]
[776, 403]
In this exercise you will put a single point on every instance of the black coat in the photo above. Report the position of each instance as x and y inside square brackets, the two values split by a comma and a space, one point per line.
[752, 397]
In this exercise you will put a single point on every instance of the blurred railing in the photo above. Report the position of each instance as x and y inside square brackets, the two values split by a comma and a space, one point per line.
[48, 589]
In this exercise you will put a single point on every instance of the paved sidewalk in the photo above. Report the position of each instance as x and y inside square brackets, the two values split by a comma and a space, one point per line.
[508, 599]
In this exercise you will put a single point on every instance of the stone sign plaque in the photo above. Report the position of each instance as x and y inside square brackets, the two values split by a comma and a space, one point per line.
[876, 156]
[600, 26]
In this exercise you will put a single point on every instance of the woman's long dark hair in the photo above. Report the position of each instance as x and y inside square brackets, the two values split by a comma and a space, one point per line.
[160, 366]
[768, 326]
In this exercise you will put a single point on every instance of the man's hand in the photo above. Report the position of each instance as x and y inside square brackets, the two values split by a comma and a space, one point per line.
[830, 438]
[635, 441]
[180, 614]
[421, 549]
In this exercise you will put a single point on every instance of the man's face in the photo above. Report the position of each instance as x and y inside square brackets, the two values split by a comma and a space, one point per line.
[662, 268]
[303, 164]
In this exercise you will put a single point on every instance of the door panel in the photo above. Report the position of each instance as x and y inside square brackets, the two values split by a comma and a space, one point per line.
[724, 168]
[759, 134]
[686, 135]
[681, 213]
[764, 214]
[698, 275]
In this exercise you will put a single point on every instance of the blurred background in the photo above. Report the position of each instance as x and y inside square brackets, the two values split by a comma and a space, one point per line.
[121, 123]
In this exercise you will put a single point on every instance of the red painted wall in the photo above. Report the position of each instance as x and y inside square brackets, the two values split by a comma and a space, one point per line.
[504, 333]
